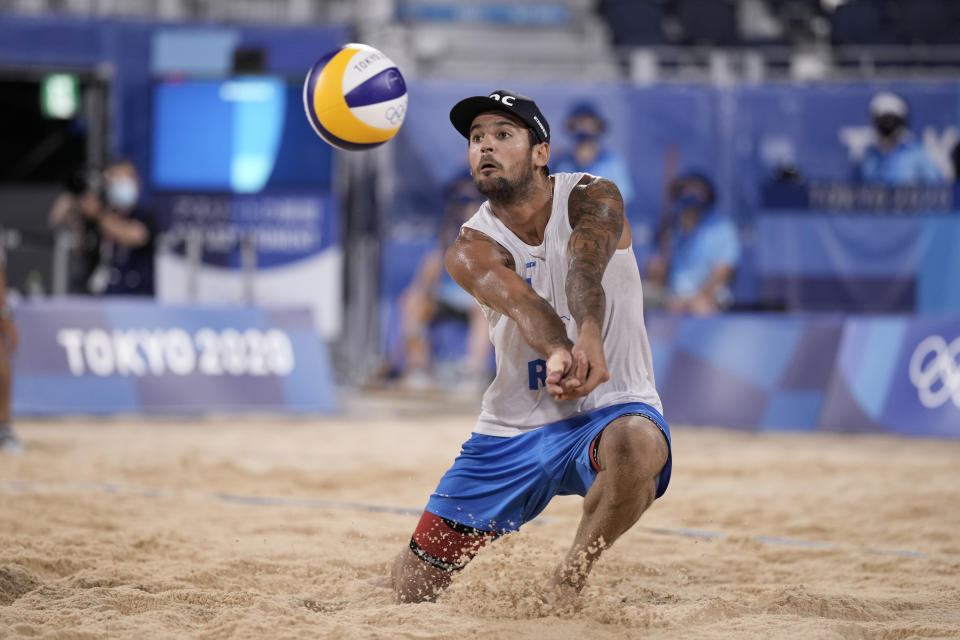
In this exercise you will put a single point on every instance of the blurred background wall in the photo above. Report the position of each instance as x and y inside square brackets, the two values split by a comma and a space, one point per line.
[844, 312]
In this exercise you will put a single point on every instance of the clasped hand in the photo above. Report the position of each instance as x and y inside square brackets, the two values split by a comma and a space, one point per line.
[576, 372]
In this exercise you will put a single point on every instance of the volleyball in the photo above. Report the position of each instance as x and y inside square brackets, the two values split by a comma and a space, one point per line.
[355, 97]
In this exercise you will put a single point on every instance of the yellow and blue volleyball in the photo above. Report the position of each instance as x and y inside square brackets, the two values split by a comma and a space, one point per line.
[355, 97]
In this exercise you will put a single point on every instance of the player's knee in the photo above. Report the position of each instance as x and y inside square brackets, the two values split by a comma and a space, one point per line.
[634, 448]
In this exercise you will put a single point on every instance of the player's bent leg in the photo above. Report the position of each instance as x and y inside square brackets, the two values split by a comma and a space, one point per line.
[438, 548]
[632, 452]
[6, 379]
[413, 580]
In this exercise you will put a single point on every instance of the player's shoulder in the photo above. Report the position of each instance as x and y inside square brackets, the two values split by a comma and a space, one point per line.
[597, 194]
[473, 249]
[590, 185]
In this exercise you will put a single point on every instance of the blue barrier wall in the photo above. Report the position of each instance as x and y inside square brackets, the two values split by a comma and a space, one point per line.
[894, 374]
[753, 371]
[134, 356]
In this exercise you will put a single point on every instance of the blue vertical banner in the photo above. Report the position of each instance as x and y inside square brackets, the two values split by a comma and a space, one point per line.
[240, 173]
[937, 290]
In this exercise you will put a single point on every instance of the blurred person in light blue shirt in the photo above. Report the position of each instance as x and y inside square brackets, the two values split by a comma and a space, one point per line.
[896, 158]
[588, 128]
[433, 297]
[698, 252]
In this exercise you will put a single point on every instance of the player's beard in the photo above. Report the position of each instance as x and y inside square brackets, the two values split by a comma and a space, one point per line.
[506, 190]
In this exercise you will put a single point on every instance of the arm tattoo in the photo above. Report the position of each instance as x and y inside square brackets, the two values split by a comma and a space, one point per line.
[596, 215]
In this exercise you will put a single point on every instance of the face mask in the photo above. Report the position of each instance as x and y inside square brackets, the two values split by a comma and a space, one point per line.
[584, 136]
[122, 193]
[887, 124]
[687, 201]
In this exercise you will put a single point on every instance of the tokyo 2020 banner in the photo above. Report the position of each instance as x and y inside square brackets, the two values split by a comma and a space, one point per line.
[132, 356]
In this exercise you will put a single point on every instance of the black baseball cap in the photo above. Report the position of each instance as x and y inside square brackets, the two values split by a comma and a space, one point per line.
[521, 106]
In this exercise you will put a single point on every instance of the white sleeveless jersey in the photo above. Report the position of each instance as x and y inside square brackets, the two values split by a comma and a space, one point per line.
[517, 399]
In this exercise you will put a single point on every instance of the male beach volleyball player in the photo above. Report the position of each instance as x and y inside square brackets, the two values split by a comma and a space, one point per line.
[9, 443]
[573, 408]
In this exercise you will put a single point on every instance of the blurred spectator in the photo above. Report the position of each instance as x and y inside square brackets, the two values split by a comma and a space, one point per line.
[128, 231]
[698, 250]
[896, 158]
[8, 343]
[433, 297]
[75, 212]
[756, 21]
[587, 128]
[955, 161]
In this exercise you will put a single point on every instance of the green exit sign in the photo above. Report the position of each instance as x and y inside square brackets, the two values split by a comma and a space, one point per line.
[60, 96]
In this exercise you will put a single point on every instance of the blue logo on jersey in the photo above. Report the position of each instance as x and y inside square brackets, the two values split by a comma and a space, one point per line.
[530, 265]
[537, 373]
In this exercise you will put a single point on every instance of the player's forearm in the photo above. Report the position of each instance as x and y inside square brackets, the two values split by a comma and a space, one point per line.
[129, 233]
[589, 251]
[586, 298]
[596, 215]
[720, 277]
[540, 326]
[60, 211]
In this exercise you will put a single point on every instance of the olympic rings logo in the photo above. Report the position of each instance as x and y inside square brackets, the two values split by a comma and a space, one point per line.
[395, 114]
[935, 371]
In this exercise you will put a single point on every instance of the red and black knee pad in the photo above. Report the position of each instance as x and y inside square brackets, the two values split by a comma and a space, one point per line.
[446, 544]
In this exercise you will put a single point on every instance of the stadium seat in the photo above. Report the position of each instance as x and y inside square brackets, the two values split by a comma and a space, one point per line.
[798, 18]
[925, 22]
[712, 22]
[634, 22]
[860, 22]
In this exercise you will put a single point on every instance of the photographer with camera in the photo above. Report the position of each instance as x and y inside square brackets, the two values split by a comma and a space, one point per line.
[115, 237]
[74, 213]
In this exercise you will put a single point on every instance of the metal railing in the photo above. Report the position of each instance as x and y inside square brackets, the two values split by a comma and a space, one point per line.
[815, 63]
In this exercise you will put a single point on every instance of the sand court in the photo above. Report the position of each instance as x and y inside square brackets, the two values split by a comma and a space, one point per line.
[271, 528]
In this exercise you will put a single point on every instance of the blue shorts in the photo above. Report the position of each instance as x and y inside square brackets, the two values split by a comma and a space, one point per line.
[498, 484]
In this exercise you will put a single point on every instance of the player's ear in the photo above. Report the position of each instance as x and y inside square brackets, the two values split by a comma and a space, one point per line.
[541, 154]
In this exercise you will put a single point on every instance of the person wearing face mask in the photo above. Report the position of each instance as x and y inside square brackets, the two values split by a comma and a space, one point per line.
[128, 232]
[433, 297]
[698, 252]
[588, 128]
[896, 158]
